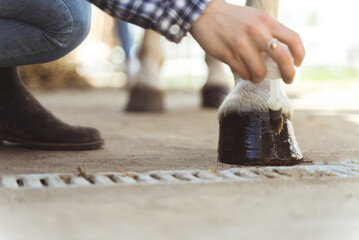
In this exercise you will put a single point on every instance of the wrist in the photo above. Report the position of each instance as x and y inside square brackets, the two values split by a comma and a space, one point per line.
[213, 8]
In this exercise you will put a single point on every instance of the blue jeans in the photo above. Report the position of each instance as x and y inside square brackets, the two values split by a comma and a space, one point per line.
[125, 37]
[38, 31]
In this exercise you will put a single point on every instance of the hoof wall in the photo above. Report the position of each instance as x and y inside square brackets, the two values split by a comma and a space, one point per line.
[213, 96]
[145, 99]
[247, 139]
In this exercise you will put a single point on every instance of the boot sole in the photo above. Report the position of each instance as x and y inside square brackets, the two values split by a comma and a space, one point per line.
[54, 146]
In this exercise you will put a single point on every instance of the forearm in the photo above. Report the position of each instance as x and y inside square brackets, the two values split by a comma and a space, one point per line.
[171, 18]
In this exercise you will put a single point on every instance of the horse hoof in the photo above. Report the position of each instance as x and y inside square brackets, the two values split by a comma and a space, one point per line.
[248, 139]
[145, 99]
[213, 96]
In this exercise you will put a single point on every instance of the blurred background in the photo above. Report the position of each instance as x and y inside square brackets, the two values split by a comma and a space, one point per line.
[327, 29]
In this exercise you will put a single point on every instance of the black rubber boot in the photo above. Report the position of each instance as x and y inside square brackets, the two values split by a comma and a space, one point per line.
[23, 120]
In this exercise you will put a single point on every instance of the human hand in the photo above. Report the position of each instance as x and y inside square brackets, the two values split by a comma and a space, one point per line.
[237, 35]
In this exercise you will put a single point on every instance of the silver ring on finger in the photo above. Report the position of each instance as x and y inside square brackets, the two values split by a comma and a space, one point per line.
[272, 44]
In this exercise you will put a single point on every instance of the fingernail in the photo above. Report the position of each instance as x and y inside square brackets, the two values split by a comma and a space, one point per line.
[257, 80]
[289, 80]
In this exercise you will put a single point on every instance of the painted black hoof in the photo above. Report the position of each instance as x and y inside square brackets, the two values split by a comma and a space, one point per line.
[213, 96]
[248, 139]
[145, 99]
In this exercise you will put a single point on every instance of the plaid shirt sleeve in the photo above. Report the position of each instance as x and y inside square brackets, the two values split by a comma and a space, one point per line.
[171, 18]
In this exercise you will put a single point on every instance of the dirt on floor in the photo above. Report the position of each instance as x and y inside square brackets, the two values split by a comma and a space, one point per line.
[326, 123]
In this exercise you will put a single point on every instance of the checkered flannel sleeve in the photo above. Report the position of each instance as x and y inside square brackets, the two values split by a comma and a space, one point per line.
[171, 18]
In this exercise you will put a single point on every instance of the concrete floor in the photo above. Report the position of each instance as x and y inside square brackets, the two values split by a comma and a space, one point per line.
[184, 137]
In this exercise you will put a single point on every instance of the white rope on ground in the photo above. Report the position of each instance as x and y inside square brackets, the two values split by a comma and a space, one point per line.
[344, 169]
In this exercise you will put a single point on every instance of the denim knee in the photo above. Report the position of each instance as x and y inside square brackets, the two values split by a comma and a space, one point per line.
[41, 31]
[69, 27]
[81, 23]
[81, 15]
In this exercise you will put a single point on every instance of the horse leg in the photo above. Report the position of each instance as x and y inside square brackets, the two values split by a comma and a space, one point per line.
[147, 93]
[245, 135]
[217, 85]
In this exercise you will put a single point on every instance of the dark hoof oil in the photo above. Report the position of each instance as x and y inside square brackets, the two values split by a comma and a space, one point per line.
[248, 139]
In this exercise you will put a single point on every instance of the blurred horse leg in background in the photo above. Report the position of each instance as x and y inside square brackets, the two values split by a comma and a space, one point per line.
[217, 86]
[147, 92]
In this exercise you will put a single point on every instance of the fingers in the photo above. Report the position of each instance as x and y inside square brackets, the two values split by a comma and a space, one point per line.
[254, 63]
[292, 40]
[248, 65]
[239, 67]
[283, 57]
